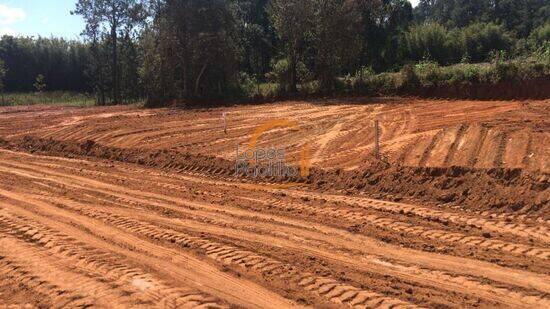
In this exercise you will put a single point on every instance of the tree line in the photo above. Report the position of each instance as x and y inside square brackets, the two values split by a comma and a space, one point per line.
[171, 50]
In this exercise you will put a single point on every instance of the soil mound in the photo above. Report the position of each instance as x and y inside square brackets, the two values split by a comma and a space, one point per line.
[508, 190]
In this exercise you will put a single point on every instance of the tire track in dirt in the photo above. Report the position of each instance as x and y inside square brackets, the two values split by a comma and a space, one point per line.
[152, 256]
[490, 225]
[454, 146]
[474, 156]
[449, 280]
[428, 151]
[146, 201]
[18, 272]
[100, 262]
[428, 233]
[501, 150]
[431, 214]
[328, 288]
[87, 288]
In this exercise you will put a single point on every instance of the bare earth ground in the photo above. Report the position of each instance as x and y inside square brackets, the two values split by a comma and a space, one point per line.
[84, 221]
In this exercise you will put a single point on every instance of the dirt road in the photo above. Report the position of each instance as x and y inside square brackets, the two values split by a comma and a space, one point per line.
[85, 231]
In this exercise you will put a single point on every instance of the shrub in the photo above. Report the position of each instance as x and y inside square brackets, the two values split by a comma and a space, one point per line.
[280, 73]
[479, 39]
[428, 73]
[409, 79]
[248, 85]
[539, 37]
[427, 41]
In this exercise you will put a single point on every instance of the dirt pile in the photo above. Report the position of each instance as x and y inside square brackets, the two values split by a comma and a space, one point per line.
[508, 190]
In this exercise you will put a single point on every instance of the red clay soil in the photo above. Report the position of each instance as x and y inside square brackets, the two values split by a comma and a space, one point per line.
[117, 207]
[497, 189]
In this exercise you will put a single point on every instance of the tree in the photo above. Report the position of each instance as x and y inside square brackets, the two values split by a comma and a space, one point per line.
[197, 50]
[60, 61]
[293, 23]
[255, 36]
[40, 83]
[337, 41]
[115, 16]
[383, 22]
[91, 12]
[518, 16]
[3, 71]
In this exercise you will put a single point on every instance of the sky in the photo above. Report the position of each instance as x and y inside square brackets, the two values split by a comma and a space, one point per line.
[40, 17]
[44, 17]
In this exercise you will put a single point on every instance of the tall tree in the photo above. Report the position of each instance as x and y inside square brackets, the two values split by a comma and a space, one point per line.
[293, 21]
[117, 16]
[196, 47]
[91, 12]
[337, 41]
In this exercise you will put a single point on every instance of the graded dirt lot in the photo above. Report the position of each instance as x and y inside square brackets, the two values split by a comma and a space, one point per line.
[126, 207]
[510, 134]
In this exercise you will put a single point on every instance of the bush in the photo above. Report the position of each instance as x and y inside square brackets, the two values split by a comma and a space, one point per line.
[426, 42]
[539, 37]
[409, 79]
[248, 85]
[479, 39]
[428, 73]
[51, 97]
[280, 73]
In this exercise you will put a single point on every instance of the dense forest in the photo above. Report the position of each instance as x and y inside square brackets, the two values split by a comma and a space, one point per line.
[171, 50]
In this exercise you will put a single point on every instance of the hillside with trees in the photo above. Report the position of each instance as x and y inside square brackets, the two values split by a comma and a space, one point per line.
[168, 51]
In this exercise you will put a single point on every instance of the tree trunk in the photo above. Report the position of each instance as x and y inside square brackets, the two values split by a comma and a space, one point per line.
[114, 38]
[293, 77]
[198, 80]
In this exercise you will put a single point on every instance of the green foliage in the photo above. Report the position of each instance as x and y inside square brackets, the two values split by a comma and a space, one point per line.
[479, 39]
[409, 78]
[518, 16]
[192, 52]
[427, 42]
[40, 84]
[337, 43]
[435, 42]
[52, 97]
[181, 50]
[430, 74]
[248, 85]
[427, 72]
[110, 25]
[281, 74]
[293, 22]
[539, 42]
[3, 72]
[63, 63]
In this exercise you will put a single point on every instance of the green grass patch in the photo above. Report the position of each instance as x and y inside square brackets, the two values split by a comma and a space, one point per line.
[52, 97]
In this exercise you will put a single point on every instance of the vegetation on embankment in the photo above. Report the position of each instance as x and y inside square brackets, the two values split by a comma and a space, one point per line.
[206, 51]
[51, 97]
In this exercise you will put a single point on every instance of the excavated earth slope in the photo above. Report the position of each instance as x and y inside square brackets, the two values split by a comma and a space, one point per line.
[122, 207]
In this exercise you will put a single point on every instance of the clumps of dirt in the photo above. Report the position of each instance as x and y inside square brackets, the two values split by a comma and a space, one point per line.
[507, 190]
[155, 158]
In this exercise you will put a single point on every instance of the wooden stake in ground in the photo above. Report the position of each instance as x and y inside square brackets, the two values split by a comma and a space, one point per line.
[224, 116]
[376, 139]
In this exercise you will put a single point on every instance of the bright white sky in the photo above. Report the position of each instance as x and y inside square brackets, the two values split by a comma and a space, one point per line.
[45, 18]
